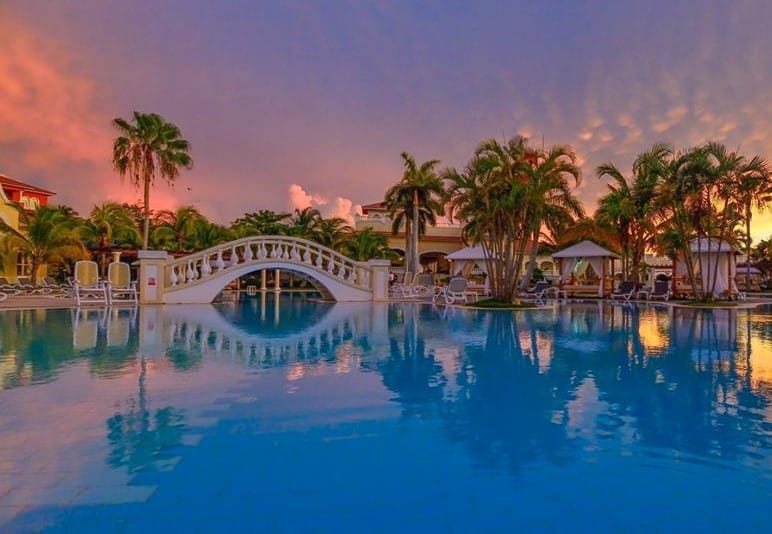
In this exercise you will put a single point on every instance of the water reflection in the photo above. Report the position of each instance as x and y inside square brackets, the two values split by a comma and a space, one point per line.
[646, 377]
[512, 389]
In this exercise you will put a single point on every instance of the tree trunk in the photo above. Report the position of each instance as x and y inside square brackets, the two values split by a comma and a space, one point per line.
[146, 215]
[408, 245]
[748, 243]
[531, 262]
[416, 228]
[34, 275]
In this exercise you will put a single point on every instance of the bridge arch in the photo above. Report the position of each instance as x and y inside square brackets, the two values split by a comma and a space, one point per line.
[199, 277]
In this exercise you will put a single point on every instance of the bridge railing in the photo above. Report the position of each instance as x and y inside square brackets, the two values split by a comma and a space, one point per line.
[254, 250]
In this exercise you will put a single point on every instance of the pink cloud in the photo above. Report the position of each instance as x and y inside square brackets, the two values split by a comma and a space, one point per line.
[340, 207]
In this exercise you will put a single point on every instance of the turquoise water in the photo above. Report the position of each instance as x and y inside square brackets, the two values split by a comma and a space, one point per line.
[292, 415]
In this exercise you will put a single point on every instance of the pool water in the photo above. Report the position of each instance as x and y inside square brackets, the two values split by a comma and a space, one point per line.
[293, 415]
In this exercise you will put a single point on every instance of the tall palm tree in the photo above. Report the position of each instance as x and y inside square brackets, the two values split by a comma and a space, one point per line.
[49, 235]
[753, 189]
[552, 202]
[416, 200]
[491, 196]
[629, 206]
[149, 147]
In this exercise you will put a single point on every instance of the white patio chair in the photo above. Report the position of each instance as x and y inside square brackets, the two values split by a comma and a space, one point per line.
[120, 286]
[86, 284]
[456, 291]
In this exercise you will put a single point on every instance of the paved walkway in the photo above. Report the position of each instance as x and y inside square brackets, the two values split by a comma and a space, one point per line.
[15, 302]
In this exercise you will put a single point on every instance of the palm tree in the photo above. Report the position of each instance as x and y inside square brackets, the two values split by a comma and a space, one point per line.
[678, 202]
[366, 245]
[208, 234]
[491, 197]
[48, 235]
[263, 222]
[592, 229]
[416, 199]
[304, 223]
[107, 224]
[754, 192]
[146, 148]
[629, 207]
[332, 232]
[177, 230]
[552, 203]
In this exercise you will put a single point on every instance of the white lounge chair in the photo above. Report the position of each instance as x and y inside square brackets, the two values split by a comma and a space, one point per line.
[403, 288]
[120, 286]
[86, 284]
[456, 291]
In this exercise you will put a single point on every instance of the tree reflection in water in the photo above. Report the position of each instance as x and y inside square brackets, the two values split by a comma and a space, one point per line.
[519, 376]
[141, 438]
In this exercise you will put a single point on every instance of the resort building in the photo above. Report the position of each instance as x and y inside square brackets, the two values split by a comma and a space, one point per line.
[13, 265]
[434, 246]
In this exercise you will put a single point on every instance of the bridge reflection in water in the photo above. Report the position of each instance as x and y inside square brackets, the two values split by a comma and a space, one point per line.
[569, 391]
[271, 330]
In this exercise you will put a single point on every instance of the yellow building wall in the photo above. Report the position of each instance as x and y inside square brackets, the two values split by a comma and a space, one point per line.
[442, 238]
[7, 258]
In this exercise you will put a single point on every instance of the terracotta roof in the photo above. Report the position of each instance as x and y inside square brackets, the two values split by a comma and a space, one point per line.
[375, 206]
[10, 182]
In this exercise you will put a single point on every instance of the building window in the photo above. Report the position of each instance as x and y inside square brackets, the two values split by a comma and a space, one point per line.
[23, 265]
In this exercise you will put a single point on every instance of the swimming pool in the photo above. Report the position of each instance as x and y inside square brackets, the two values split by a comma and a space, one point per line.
[293, 415]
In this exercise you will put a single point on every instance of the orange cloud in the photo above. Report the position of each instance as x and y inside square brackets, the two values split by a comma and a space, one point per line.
[44, 108]
[52, 134]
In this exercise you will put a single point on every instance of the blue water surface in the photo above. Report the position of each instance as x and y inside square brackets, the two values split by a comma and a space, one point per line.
[291, 415]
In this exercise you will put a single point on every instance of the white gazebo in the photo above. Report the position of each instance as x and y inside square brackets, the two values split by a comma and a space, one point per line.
[575, 259]
[465, 259]
[712, 256]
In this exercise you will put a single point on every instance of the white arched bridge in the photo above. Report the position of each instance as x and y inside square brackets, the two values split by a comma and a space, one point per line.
[199, 277]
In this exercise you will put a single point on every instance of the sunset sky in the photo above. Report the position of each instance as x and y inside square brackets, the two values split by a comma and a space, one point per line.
[293, 103]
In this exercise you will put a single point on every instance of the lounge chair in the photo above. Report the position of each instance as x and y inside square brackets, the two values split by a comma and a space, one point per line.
[661, 290]
[119, 284]
[55, 289]
[625, 291]
[7, 288]
[424, 286]
[403, 288]
[19, 288]
[87, 285]
[456, 290]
